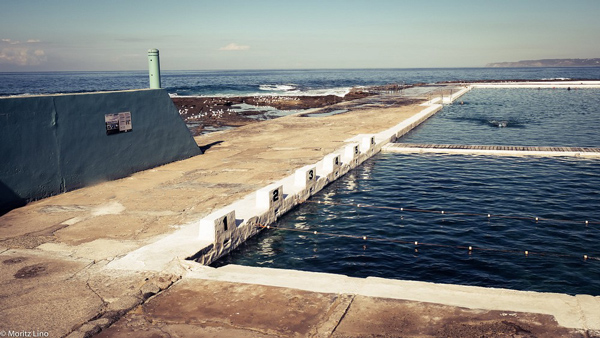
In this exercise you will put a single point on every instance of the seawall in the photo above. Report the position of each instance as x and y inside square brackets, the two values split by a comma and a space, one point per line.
[57, 143]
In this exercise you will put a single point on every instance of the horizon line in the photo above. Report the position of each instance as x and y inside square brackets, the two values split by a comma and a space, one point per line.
[275, 69]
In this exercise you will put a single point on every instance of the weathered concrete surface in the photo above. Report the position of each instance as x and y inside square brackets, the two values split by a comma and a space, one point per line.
[581, 311]
[41, 292]
[205, 308]
[234, 309]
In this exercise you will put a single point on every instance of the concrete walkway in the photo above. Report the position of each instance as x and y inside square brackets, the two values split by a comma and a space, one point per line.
[237, 301]
[55, 253]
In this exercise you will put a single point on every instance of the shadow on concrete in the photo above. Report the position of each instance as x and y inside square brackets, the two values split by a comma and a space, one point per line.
[9, 200]
[208, 146]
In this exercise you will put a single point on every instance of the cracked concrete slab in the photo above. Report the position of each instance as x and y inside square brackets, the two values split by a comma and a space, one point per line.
[243, 308]
[59, 294]
[391, 317]
[210, 308]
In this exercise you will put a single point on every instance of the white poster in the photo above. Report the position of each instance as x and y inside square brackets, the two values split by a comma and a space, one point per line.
[125, 122]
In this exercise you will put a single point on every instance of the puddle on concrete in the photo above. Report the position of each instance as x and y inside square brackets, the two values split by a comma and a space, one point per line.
[326, 113]
[30, 271]
[205, 129]
[261, 112]
[15, 260]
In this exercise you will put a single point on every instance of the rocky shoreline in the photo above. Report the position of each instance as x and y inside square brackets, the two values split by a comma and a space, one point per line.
[203, 114]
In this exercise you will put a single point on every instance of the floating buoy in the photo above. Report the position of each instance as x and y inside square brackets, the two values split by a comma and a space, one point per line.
[526, 253]
[537, 219]
[442, 212]
[315, 232]
[470, 248]
[365, 238]
[585, 257]
[416, 243]
[489, 215]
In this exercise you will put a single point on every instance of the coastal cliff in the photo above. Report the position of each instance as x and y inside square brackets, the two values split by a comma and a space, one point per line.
[549, 63]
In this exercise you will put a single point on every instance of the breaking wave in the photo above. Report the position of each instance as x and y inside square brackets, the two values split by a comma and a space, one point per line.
[278, 88]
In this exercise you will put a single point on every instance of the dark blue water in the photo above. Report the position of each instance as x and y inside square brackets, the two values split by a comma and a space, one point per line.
[244, 82]
[563, 189]
[516, 117]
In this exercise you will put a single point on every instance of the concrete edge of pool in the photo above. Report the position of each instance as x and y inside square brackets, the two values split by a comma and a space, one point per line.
[579, 311]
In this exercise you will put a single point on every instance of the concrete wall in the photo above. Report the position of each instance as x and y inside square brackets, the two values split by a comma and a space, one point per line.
[52, 144]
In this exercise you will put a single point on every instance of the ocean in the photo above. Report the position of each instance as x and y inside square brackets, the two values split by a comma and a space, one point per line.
[509, 249]
[268, 82]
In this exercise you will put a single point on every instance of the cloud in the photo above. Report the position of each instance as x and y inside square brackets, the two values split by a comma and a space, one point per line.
[11, 42]
[234, 46]
[19, 53]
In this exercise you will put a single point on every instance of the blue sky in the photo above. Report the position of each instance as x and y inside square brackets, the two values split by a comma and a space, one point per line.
[253, 34]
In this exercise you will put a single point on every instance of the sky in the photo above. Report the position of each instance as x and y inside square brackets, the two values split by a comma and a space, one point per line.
[113, 35]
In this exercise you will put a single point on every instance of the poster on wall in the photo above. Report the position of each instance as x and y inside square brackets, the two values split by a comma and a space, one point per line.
[118, 123]
[125, 122]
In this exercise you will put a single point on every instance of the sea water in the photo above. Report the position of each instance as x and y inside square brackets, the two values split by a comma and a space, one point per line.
[513, 251]
[268, 82]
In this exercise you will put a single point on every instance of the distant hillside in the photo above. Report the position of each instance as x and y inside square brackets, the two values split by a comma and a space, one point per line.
[549, 63]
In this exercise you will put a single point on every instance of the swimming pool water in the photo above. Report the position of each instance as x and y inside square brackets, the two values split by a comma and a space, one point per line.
[558, 189]
[516, 117]
[546, 188]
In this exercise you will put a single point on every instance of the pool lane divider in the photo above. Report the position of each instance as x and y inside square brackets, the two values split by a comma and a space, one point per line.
[571, 85]
[223, 230]
[491, 150]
